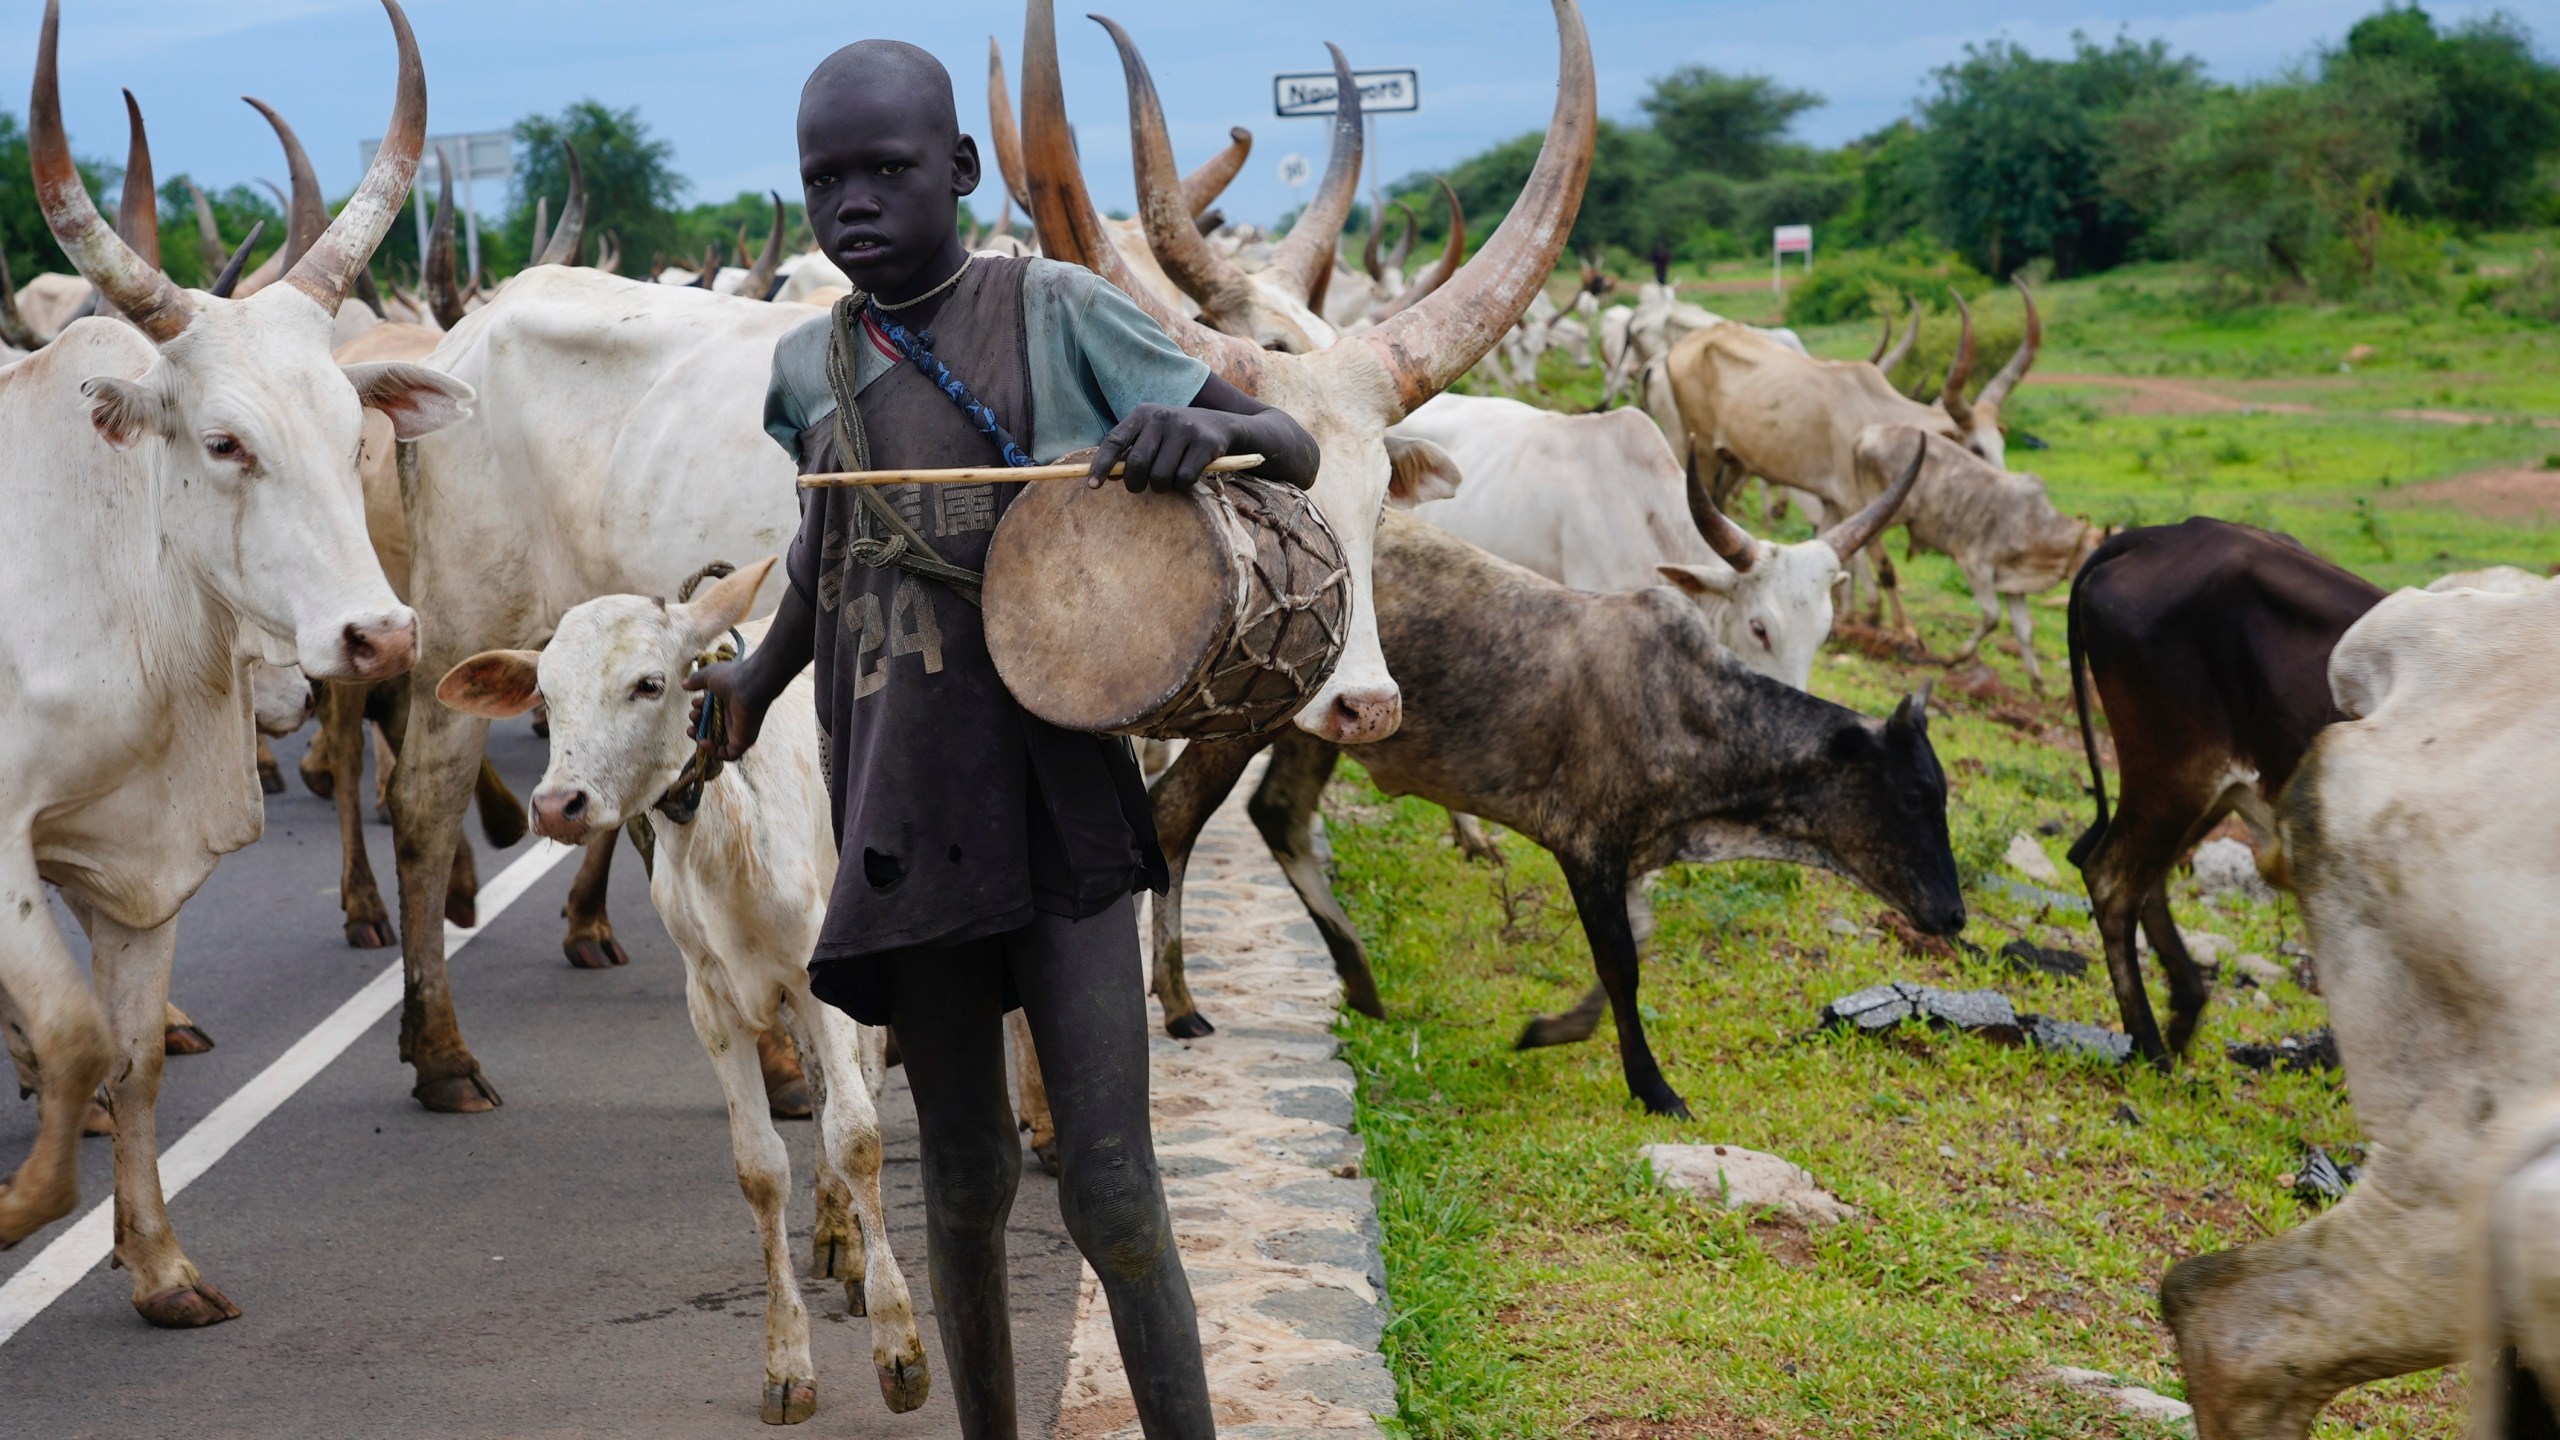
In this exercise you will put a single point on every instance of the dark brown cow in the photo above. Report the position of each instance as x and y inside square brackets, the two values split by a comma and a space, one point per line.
[1611, 729]
[2208, 645]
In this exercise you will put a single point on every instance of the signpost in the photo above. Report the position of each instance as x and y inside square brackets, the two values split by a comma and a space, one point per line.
[486, 155]
[1317, 94]
[1789, 240]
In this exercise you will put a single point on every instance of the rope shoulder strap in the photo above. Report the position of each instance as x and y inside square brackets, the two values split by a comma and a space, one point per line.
[900, 544]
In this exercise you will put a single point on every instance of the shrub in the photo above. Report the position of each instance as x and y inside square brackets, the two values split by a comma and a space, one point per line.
[1860, 285]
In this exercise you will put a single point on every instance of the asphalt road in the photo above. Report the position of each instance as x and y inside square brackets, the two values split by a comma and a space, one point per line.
[578, 1263]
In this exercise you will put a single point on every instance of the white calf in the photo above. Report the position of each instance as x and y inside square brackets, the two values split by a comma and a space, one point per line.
[742, 887]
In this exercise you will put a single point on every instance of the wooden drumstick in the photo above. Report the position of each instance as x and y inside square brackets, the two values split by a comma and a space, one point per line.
[997, 474]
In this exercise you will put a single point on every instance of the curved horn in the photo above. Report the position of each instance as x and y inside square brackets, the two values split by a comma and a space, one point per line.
[138, 207]
[1188, 258]
[1004, 216]
[1001, 131]
[13, 326]
[208, 234]
[229, 279]
[1304, 261]
[1731, 542]
[1855, 533]
[1884, 342]
[609, 254]
[1369, 256]
[1901, 351]
[325, 271]
[710, 275]
[150, 299]
[307, 213]
[760, 277]
[541, 228]
[1063, 214]
[444, 290]
[1452, 256]
[1442, 337]
[1404, 242]
[1959, 369]
[1202, 187]
[2016, 370]
[572, 230]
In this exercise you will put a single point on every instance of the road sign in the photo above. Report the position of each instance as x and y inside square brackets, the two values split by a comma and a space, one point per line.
[1784, 241]
[482, 155]
[1381, 92]
[1295, 171]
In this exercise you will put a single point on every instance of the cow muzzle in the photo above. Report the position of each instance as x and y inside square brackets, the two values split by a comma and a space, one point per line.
[1362, 715]
[560, 812]
[377, 647]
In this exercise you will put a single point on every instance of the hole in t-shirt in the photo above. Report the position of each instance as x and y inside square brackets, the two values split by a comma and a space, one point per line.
[881, 870]
[955, 854]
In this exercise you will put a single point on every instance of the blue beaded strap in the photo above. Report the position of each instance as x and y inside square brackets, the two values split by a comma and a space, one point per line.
[919, 351]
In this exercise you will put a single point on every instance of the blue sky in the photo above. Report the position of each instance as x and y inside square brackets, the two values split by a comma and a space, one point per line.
[721, 80]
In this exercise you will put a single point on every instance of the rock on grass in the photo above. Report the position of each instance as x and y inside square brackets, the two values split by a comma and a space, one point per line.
[1740, 1179]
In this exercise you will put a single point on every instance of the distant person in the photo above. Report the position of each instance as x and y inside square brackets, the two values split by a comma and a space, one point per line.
[988, 858]
[1661, 262]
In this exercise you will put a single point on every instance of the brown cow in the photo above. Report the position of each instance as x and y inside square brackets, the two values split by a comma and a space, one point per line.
[2208, 645]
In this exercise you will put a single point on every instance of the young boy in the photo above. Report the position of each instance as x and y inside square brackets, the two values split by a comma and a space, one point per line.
[988, 859]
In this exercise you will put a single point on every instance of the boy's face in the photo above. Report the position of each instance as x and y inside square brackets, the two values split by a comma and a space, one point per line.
[883, 174]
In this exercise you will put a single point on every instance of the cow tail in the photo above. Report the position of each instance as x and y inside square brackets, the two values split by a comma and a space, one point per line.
[2075, 634]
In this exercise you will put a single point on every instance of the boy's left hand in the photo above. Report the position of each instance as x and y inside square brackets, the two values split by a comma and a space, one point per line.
[1166, 447]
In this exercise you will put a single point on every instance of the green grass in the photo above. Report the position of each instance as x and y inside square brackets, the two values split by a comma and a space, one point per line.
[1542, 1285]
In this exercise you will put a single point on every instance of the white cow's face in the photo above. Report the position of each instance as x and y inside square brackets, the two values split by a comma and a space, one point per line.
[251, 430]
[1774, 616]
[612, 679]
[1277, 320]
[1343, 397]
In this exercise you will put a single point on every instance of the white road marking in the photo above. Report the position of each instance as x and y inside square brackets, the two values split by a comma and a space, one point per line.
[77, 1250]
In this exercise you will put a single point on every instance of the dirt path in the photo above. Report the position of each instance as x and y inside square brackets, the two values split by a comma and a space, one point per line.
[2520, 493]
[2161, 395]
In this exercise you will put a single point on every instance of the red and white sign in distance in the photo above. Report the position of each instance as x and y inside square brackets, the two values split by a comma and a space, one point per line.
[1794, 239]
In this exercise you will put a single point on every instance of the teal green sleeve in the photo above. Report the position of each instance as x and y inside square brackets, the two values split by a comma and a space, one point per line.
[797, 396]
[1095, 356]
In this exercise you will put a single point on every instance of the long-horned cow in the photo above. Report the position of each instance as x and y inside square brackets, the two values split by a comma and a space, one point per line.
[1744, 398]
[189, 478]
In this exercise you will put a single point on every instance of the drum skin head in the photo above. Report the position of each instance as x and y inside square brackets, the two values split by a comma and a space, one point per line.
[1101, 604]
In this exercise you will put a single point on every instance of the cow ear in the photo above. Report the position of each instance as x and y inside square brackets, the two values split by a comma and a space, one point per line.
[123, 410]
[708, 615]
[1700, 581]
[1851, 743]
[419, 401]
[494, 684]
[1419, 471]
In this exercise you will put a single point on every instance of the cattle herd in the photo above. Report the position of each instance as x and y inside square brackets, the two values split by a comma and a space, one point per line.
[300, 484]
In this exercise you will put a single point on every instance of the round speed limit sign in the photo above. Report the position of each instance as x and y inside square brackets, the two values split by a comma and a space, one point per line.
[1294, 170]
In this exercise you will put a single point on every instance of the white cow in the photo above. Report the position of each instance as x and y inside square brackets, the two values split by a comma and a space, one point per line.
[2423, 837]
[1598, 502]
[742, 886]
[182, 501]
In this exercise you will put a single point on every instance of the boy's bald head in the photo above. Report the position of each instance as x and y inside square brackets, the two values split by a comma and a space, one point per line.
[883, 165]
[883, 69]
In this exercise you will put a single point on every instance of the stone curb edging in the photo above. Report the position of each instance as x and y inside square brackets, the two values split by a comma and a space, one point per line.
[1262, 1170]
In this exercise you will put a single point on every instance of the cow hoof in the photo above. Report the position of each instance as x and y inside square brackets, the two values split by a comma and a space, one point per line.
[1047, 1155]
[270, 779]
[904, 1382]
[320, 782]
[371, 935]
[187, 1307]
[601, 954]
[1189, 1027]
[462, 910]
[790, 1100]
[788, 1402]
[99, 1121]
[504, 825]
[469, 1094]
[1668, 1105]
[188, 1039]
